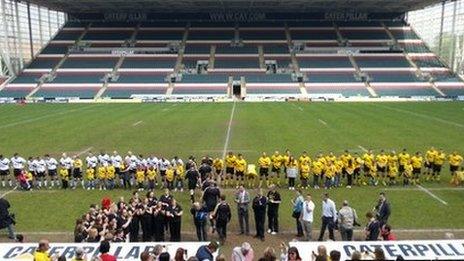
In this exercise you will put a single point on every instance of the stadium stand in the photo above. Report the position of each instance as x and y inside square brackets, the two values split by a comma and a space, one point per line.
[345, 58]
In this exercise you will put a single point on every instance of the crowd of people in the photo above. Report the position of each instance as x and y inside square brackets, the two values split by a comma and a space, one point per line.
[209, 252]
[104, 171]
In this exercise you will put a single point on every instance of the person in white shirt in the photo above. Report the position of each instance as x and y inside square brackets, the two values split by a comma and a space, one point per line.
[52, 172]
[163, 165]
[103, 159]
[18, 163]
[329, 217]
[243, 252]
[41, 168]
[131, 161]
[4, 170]
[116, 161]
[307, 217]
[67, 163]
[31, 166]
[91, 161]
[346, 220]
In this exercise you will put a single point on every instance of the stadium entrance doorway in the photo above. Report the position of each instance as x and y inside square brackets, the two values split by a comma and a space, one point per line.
[237, 90]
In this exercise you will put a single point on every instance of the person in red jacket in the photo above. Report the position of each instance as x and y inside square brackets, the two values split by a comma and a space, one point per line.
[104, 249]
[386, 233]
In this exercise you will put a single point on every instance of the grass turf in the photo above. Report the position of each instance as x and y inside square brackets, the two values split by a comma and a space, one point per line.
[199, 129]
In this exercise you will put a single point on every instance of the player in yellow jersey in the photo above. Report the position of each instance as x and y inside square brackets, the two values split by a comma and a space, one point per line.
[170, 177]
[429, 161]
[240, 168]
[329, 174]
[346, 157]
[338, 173]
[331, 157]
[372, 176]
[90, 177]
[276, 160]
[304, 173]
[357, 163]
[77, 172]
[151, 177]
[264, 163]
[392, 169]
[455, 160]
[407, 174]
[64, 176]
[416, 162]
[101, 177]
[110, 177]
[369, 162]
[140, 178]
[251, 175]
[304, 159]
[403, 159]
[382, 161]
[230, 168]
[317, 170]
[180, 175]
[218, 165]
[438, 162]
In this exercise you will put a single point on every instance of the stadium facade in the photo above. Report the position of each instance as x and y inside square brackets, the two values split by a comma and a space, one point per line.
[162, 50]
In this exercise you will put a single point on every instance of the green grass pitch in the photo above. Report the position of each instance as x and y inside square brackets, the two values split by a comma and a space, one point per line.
[171, 129]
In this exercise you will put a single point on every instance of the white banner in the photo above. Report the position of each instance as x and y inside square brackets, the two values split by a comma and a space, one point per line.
[409, 250]
[122, 251]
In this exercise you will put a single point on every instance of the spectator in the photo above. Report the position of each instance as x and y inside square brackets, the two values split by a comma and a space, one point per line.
[372, 229]
[379, 254]
[329, 216]
[221, 257]
[386, 233]
[41, 253]
[242, 198]
[79, 255]
[192, 258]
[158, 249]
[296, 214]
[269, 254]
[211, 197]
[259, 209]
[174, 214]
[274, 200]
[382, 209]
[321, 254]
[200, 218]
[356, 255]
[180, 254]
[104, 249]
[243, 253]
[205, 253]
[335, 255]
[145, 256]
[222, 216]
[307, 216]
[164, 257]
[293, 254]
[6, 219]
[346, 221]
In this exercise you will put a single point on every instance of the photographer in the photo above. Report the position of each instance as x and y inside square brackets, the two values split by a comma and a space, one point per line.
[7, 220]
[347, 219]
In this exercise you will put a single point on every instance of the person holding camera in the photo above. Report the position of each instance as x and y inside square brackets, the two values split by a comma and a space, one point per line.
[347, 219]
[7, 220]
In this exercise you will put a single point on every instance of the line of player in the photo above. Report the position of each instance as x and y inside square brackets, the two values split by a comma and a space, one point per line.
[106, 171]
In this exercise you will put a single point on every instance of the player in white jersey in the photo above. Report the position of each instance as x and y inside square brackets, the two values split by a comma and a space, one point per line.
[91, 161]
[131, 161]
[18, 163]
[4, 170]
[163, 165]
[142, 162]
[104, 159]
[52, 165]
[40, 168]
[116, 161]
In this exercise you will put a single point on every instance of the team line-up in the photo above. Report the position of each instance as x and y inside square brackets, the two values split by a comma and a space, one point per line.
[326, 170]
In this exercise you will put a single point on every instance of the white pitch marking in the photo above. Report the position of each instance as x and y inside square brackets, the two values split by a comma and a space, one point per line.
[42, 117]
[298, 107]
[431, 189]
[424, 116]
[8, 192]
[84, 151]
[432, 195]
[323, 122]
[136, 123]
[362, 148]
[226, 143]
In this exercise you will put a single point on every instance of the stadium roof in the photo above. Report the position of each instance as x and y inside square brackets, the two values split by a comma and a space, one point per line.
[102, 6]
